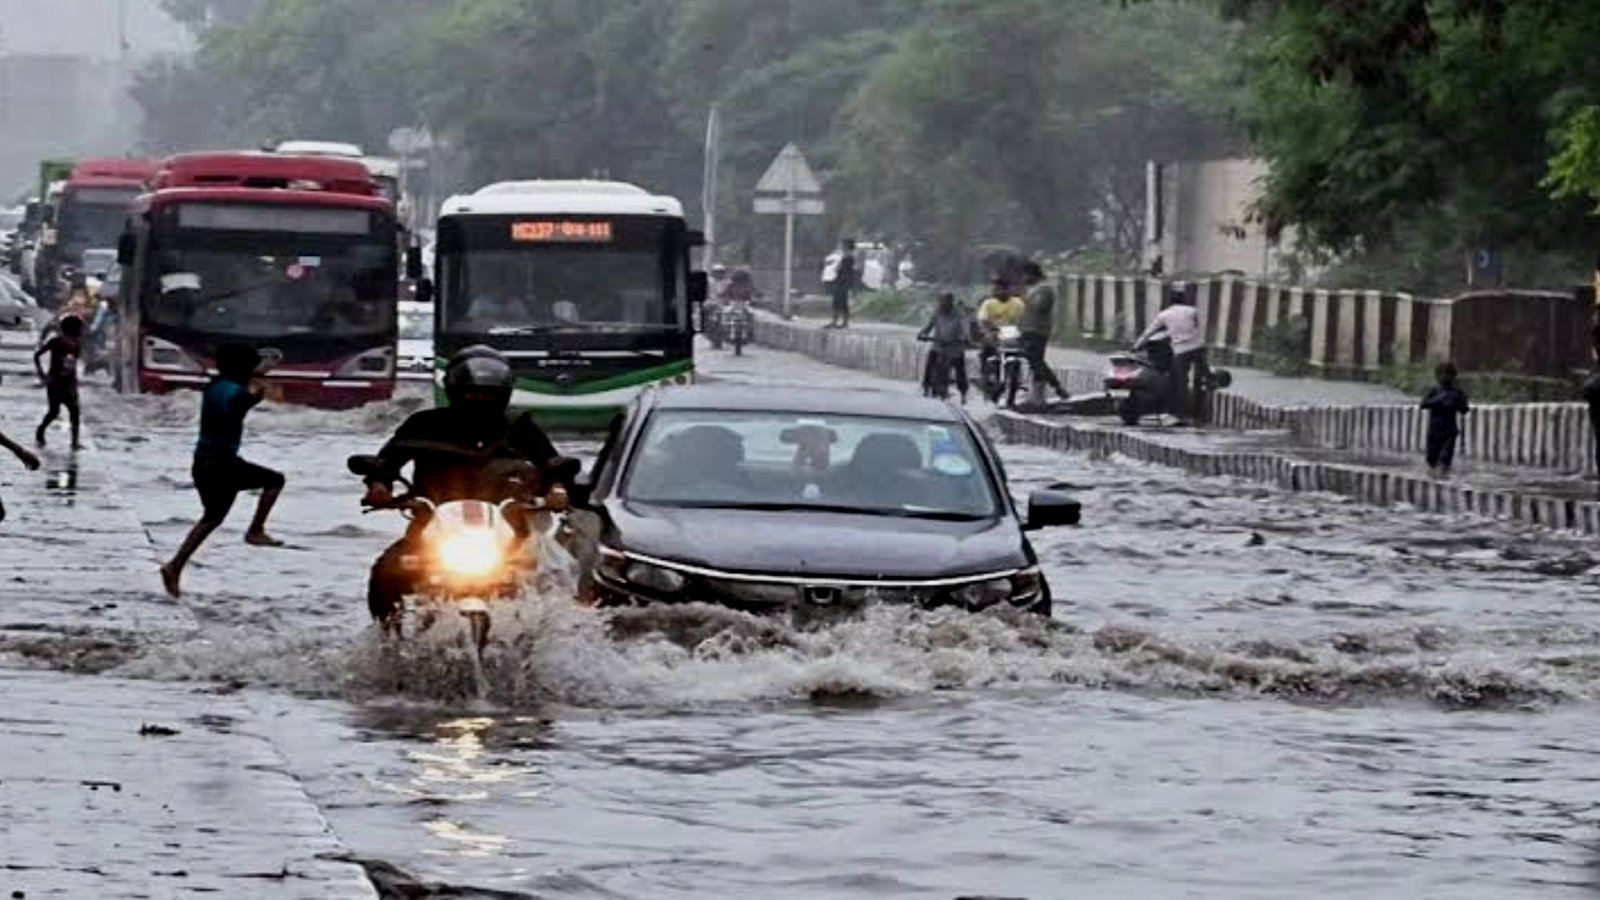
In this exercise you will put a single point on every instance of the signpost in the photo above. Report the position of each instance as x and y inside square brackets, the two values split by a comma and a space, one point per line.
[789, 188]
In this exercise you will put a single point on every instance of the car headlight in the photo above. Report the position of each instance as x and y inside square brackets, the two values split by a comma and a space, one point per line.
[654, 578]
[468, 555]
[1021, 589]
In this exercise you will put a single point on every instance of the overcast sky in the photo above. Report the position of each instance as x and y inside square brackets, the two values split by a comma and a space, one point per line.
[85, 27]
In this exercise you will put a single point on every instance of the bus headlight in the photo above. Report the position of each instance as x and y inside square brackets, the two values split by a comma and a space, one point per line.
[375, 363]
[166, 356]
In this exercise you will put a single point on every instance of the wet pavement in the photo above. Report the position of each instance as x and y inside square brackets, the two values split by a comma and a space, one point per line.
[1244, 689]
[1254, 384]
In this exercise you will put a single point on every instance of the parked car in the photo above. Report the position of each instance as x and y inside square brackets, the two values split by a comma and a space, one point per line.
[16, 307]
[789, 499]
[416, 340]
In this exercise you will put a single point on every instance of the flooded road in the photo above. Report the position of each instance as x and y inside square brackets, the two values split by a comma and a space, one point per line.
[1244, 690]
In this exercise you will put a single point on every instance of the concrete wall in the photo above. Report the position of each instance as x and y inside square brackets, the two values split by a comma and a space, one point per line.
[1350, 333]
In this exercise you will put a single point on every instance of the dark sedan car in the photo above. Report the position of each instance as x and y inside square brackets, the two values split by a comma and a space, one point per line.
[790, 499]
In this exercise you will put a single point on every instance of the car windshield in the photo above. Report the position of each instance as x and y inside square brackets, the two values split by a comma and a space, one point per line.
[843, 463]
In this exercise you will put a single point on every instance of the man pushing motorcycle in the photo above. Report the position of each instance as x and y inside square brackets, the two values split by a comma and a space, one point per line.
[454, 450]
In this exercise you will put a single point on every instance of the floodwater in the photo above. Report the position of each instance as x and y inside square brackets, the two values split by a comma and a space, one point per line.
[1245, 693]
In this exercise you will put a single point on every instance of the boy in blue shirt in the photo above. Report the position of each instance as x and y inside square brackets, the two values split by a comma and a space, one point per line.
[219, 472]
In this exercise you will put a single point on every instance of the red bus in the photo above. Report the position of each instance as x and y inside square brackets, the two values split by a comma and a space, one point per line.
[298, 256]
[94, 202]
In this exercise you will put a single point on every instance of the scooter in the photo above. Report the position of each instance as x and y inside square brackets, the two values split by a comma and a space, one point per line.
[1002, 369]
[472, 556]
[1139, 382]
[711, 323]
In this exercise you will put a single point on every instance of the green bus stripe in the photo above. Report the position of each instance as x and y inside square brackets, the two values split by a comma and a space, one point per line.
[637, 377]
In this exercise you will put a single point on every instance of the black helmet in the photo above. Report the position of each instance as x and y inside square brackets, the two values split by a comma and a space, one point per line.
[478, 369]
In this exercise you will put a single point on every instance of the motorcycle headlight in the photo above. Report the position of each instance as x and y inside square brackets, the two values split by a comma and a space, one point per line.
[468, 555]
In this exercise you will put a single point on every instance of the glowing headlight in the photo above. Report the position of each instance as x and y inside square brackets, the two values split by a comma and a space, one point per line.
[470, 555]
[655, 578]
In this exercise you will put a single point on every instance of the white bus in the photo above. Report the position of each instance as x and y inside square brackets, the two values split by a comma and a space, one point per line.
[586, 286]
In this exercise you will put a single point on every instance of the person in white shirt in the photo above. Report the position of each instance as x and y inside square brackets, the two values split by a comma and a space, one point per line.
[1180, 324]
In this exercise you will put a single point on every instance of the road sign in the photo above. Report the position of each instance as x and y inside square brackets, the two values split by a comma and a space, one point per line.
[789, 174]
[798, 206]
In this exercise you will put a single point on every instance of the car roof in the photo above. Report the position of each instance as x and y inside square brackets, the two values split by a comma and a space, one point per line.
[820, 401]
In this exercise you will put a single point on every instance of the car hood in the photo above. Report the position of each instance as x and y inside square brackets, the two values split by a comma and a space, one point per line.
[820, 544]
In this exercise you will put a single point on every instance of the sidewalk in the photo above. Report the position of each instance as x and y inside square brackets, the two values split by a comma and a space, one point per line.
[1254, 384]
[200, 804]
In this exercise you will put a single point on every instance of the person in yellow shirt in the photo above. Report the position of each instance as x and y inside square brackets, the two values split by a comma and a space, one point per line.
[1002, 307]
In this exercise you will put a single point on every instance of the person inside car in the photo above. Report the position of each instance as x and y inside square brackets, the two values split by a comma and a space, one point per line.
[450, 449]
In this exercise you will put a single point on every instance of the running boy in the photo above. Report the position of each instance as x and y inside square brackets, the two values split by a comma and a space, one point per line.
[219, 473]
[61, 382]
[1446, 404]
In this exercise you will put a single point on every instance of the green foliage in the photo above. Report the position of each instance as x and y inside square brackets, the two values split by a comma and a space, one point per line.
[940, 122]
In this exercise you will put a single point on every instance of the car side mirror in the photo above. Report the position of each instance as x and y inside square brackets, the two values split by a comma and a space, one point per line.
[1051, 508]
[127, 246]
[424, 293]
[414, 262]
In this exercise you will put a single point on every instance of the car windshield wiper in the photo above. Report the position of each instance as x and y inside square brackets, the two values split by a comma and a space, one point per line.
[780, 506]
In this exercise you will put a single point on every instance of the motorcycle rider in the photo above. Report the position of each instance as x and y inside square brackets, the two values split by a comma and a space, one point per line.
[449, 449]
[950, 331]
[1002, 307]
[1180, 323]
[711, 314]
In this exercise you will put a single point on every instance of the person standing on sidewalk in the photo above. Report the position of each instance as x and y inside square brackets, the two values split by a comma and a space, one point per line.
[1038, 320]
[28, 459]
[1446, 403]
[844, 281]
[219, 472]
[61, 382]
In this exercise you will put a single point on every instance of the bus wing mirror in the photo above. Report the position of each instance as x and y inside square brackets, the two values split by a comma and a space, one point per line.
[696, 238]
[126, 246]
[699, 287]
[424, 292]
[413, 262]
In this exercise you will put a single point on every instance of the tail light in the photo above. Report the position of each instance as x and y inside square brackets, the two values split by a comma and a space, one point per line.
[376, 363]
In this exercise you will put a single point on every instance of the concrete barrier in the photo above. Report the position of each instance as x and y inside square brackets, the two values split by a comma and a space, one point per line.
[1376, 486]
[1348, 334]
[1549, 436]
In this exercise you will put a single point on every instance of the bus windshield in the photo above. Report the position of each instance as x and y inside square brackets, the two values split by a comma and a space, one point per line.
[338, 278]
[93, 218]
[493, 282]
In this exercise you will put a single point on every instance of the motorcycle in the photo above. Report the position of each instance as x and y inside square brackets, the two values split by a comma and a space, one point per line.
[1002, 368]
[937, 368]
[471, 555]
[1139, 381]
[711, 323]
[736, 324]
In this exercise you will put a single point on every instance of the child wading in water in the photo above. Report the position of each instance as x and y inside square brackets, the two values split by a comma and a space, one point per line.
[61, 381]
[219, 473]
[1446, 404]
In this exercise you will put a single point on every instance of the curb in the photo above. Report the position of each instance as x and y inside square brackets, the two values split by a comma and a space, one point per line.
[1377, 487]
